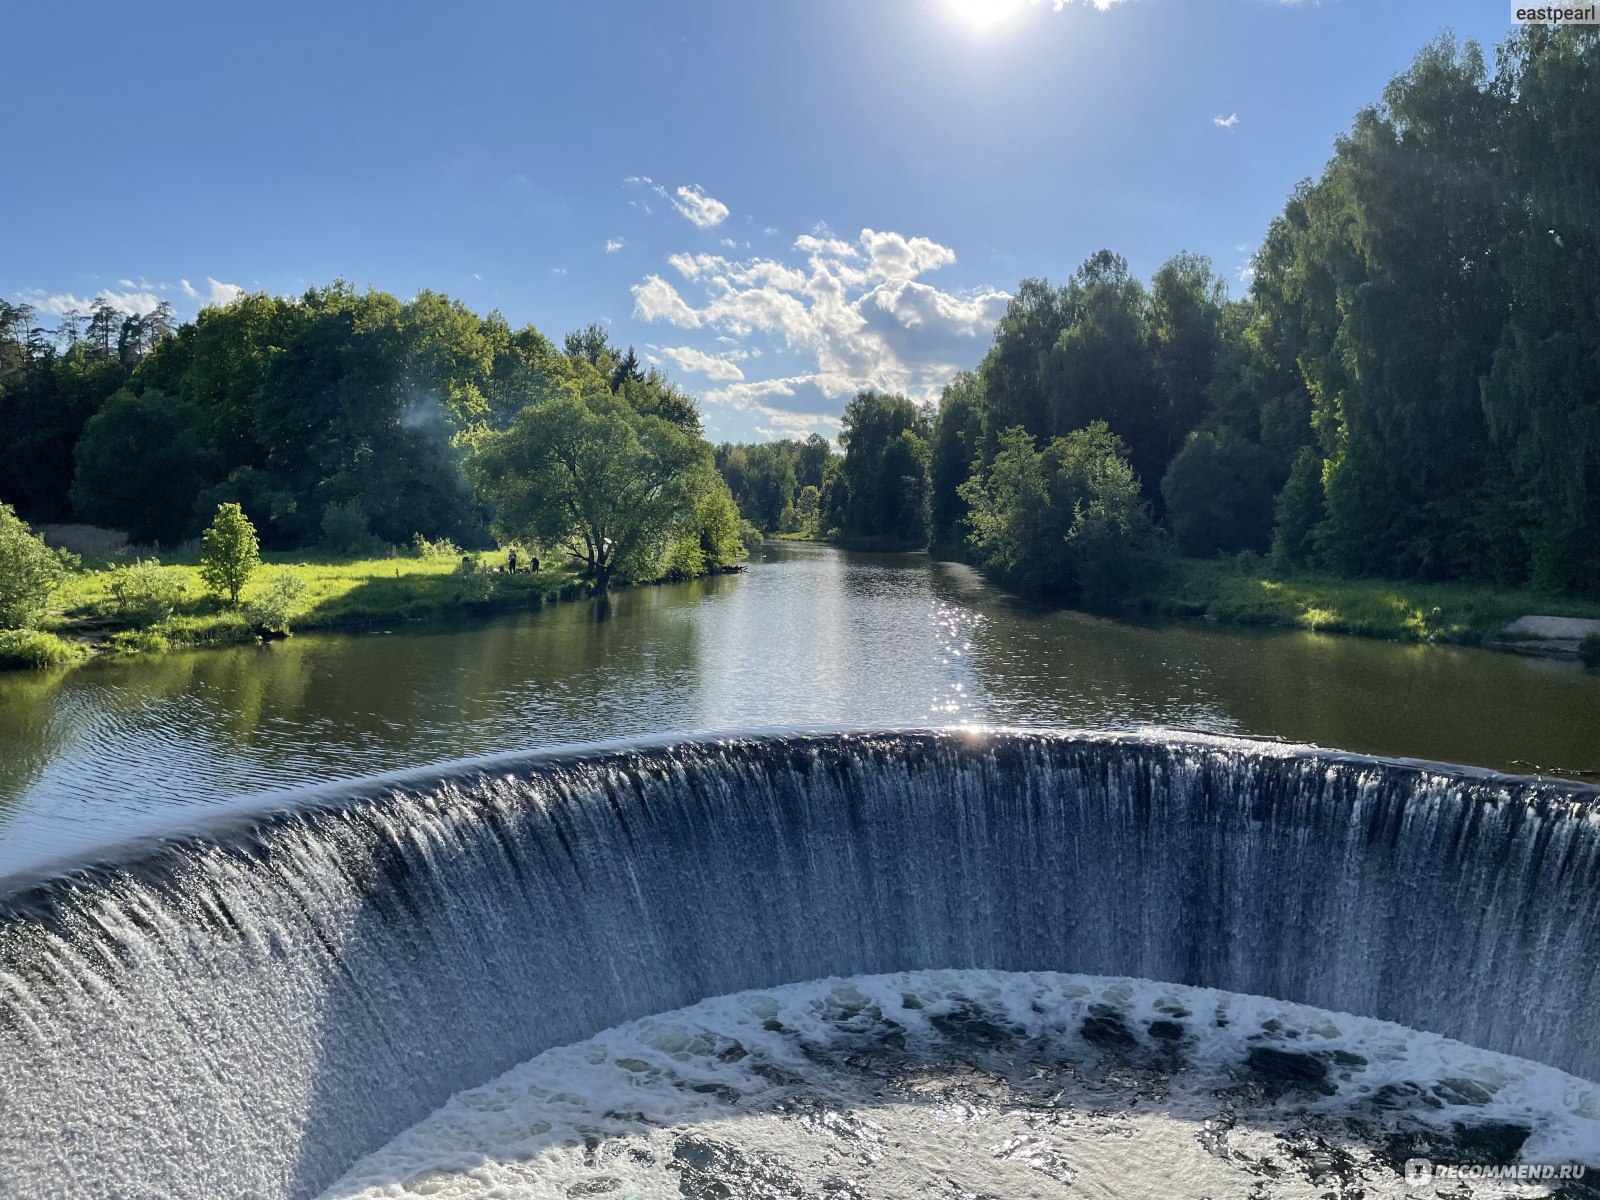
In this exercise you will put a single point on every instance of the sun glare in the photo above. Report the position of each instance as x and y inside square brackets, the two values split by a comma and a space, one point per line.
[986, 14]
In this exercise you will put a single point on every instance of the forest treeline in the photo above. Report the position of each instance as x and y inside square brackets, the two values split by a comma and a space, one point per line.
[350, 420]
[1410, 389]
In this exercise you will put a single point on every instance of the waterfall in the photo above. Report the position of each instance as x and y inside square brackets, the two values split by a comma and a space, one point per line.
[242, 1010]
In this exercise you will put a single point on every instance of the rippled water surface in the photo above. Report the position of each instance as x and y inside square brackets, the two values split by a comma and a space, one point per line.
[810, 635]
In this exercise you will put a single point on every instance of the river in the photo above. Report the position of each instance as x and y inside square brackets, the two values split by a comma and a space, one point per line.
[810, 635]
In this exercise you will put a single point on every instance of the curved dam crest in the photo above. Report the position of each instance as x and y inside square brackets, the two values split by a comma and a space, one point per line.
[246, 1010]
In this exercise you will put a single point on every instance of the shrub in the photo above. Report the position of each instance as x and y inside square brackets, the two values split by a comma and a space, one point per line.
[276, 603]
[32, 648]
[751, 537]
[146, 592]
[1589, 651]
[345, 529]
[442, 548]
[476, 584]
[230, 553]
[138, 641]
[29, 571]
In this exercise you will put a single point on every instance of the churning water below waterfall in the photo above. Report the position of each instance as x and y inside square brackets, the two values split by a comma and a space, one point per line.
[990, 1086]
[246, 1009]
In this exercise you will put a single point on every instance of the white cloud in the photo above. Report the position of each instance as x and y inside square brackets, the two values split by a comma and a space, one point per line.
[643, 183]
[217, 293]
[657, 300]
[134, 303]
[857, 311]
[613, 245]
[705, 211]
[1227, 122]
[718, 368]
[558, 270]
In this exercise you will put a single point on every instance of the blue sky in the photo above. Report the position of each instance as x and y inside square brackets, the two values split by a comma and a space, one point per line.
[780, 202]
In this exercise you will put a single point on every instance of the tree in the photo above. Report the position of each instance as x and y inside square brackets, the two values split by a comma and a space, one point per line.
[29, 571]
[105, 327]
[1219, 492]
[229, 552]
[1542, 393]
[140, 465]
[585, 472]
[885, 470]
[957, 442]
[1068, 521]
[1100, 368]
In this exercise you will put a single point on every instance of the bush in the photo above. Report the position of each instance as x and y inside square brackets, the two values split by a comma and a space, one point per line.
[230, 553]
[276, 603]
[146, 592]
[442, 548]
[476, 584]
[345, 529]
[751, 537]
[29, 571]
[138, 641]
[1066, 521]
[1589, 651]
[31, 648]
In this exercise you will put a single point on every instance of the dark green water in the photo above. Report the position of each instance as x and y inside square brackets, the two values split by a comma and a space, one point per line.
[809, 636]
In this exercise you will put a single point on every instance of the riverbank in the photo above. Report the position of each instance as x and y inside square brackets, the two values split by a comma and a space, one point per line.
[88, 618]
[1462, 614]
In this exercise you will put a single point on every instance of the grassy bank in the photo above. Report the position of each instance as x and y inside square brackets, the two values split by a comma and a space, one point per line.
[1415, 612]
[87, 616]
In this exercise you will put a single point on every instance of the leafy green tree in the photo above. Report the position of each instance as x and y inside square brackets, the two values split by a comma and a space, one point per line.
[229, 552]
[140, 466]
[1187, 303]
[1542, 394]
[1068, 521]
[29, 572]
[885, 469]
[1220, 492]
[957, 442]
[1299, 512]
[586, 473]
[1034, 320]
[1100, 368]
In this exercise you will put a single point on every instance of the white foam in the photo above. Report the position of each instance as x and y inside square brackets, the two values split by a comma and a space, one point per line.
[763, 1075]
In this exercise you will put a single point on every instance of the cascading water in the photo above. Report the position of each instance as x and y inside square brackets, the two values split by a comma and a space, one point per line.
[245, 1010]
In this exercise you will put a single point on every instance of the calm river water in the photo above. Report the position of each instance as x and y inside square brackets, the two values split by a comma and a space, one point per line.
[810, 635]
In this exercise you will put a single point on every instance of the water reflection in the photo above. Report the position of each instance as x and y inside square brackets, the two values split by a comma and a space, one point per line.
[809, 636]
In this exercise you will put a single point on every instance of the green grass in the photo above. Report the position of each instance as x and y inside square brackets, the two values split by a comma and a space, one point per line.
[36, 649]
[339, 594]
[1413, 612]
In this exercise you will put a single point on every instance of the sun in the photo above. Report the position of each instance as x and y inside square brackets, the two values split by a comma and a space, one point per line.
[986, 14]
